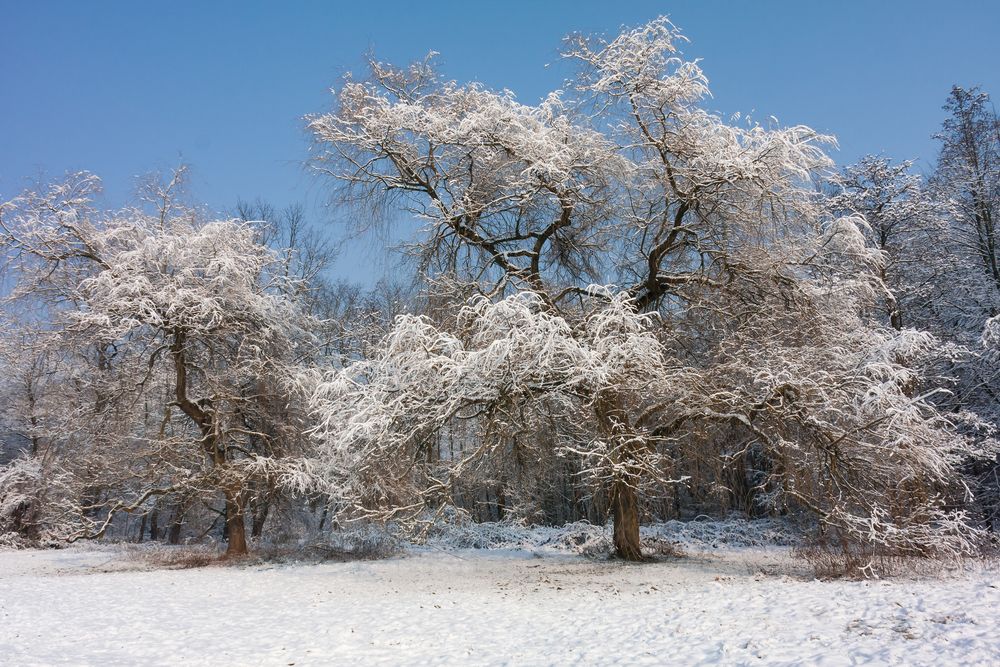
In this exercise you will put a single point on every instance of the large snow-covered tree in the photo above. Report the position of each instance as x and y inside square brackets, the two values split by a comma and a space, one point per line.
[743, 305]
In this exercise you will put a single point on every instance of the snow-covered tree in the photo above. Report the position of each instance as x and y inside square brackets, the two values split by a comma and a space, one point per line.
[189, 327]
[513, 369]
[741, 302]
[968, 171]
[910, 227]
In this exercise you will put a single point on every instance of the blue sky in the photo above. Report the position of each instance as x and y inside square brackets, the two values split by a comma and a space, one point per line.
[124, 88]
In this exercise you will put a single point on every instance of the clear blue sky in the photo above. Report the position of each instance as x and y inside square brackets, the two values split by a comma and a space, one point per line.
[124, 88]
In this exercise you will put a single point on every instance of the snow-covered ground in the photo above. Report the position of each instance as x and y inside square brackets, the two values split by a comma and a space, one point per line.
[727, 606]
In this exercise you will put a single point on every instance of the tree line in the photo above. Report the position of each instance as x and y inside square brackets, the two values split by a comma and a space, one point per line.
[622, 307]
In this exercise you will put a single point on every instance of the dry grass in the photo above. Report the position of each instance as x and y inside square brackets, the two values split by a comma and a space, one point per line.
[342, 547]
[854, 561]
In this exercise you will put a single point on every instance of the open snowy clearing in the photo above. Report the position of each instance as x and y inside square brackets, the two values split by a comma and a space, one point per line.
[730, 606]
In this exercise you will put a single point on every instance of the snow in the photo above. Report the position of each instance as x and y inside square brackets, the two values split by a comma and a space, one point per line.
[731, 605]
[585, 538]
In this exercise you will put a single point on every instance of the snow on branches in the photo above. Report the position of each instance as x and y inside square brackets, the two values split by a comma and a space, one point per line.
[176, 333]
[513, 367]
[755, 344]
[837, 420]
[742, 330]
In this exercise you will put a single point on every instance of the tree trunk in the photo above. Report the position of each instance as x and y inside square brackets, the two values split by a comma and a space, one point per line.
[322, 517]
[261, 510]
[177, 522]
[501, 499]
[235, 526]
[625, 509]
[174, 534]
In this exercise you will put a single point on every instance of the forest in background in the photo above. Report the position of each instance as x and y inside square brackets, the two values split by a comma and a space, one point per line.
[623, 307]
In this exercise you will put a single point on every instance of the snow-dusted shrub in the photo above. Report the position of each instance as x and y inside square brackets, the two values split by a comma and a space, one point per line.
[588, 539]
[366, 542]
[705, 533]
[21, 486]
[578, 537]
[14, 540]
[36, 503]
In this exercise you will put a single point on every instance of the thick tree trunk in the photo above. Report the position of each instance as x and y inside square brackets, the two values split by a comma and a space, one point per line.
[625, 510]
[235, 526]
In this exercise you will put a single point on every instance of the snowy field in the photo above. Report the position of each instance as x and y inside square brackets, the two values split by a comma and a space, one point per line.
[732, 606]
